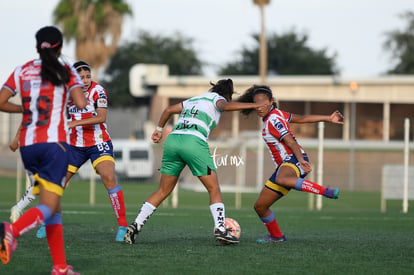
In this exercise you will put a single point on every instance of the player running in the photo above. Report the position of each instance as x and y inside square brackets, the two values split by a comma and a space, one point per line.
[291, 161]
[44, 85]
[187, 145]
[89, 140]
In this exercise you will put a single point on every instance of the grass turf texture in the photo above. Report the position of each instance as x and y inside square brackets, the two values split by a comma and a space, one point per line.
[349, 236]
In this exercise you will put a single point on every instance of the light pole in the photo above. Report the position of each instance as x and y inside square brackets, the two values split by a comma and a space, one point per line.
[263, 43]
[262, 73]
[354, 88]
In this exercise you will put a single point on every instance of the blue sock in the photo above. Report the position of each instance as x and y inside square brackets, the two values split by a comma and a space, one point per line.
[269, 218]
[114, 190]
[298, 185]
[56, 219]
[45, 211]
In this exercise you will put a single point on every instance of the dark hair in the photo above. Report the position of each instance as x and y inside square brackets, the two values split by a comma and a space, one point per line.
[49, 43]
[248, 96]
[223, 87]
[82, 65]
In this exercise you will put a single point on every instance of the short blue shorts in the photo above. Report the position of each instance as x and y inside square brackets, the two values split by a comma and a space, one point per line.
[290, 161]
[47, 163]
[96, 154]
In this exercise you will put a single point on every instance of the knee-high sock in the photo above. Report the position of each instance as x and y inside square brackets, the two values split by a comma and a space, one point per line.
[271, 225]
[308, 186]
[30, 219]
[54, 233]
[219, 215]
[26, 199]
[117, 200]
[147, 209]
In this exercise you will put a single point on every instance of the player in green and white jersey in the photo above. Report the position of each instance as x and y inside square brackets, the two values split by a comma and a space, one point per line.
[187, 145]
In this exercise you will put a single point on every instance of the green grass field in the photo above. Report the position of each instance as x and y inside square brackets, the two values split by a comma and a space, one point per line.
[349, 236]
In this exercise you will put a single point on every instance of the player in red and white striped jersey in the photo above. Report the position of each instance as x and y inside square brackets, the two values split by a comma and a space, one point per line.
[44, 86]
[291, 161]
[86, 135]
[90, 140]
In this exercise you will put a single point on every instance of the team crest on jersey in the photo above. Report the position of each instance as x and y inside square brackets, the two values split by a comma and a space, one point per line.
[26, 86]
[102, 103]
[86, 94]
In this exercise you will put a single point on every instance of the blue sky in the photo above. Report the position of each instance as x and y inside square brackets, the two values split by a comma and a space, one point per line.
[353, 29]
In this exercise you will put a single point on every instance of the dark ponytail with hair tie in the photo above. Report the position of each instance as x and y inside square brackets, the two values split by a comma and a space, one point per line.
[49, 44]
[223, 87]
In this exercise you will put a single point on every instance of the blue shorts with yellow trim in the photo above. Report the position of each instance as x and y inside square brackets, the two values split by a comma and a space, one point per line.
[47, 164]
[96, 154]
[290, 161]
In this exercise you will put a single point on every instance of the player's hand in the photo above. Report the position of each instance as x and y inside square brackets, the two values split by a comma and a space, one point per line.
[305, 166]
[71, 124]
[13, 146]
[156, 136]
[336, 117]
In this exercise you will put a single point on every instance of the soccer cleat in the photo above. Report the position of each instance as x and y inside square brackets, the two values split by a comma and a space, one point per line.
[225, 237]
[270, 239]
[15, 213]
[121, 233]
[331, 193]
[41, 232]
[8, 243]
[68, 270]
[131, 233]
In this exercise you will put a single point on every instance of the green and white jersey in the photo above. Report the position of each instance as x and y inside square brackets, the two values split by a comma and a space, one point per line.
[200, 115]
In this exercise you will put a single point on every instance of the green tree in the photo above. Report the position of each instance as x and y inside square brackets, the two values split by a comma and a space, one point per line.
[401, 46]
[177, 52]
[95, 25]
[288, 54]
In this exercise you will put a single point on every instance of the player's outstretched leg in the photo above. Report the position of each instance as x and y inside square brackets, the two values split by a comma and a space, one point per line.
[311, 187]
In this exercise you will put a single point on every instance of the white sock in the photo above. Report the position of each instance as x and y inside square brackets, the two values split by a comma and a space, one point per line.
[145, 213]
[27, 198]
[218, 213]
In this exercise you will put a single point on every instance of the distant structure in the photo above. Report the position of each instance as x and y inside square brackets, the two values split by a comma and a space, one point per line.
[381, 103]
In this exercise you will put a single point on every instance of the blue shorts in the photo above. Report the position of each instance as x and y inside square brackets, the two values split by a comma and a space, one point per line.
[96, 154]
[47, 163]
[290, 161]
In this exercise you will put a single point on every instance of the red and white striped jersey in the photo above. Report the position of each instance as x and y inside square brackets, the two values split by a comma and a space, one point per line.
[44, 105]
[275, 128]
[89, 135]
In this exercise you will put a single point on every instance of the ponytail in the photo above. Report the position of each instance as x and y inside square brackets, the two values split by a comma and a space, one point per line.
[49, 44]
[223, 87]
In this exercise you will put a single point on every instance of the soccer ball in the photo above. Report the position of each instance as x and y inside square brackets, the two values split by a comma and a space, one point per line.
[233, 227]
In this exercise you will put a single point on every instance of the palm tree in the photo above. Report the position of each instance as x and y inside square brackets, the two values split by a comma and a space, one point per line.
[94, 25]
